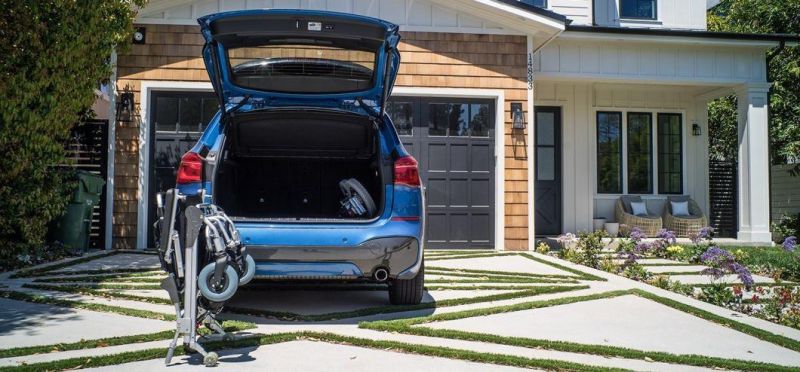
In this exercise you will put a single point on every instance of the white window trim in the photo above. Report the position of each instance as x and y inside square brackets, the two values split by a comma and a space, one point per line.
[145, 131]
[654, 138]
[499, 148]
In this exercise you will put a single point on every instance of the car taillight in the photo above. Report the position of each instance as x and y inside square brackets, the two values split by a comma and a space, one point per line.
[190, 169]
[406, 171]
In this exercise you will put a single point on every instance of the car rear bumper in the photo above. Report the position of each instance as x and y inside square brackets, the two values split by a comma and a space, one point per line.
[400, 256]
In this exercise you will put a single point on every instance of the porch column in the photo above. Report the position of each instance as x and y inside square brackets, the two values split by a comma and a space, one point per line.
[753, 163]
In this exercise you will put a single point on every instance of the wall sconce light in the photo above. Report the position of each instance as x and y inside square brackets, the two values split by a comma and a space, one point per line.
[126, 102]
[517, 116]
[696, 131]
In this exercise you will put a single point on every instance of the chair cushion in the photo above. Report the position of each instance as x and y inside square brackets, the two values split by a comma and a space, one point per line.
[639, 209]
[627, 200]
[679, 198]
[680, 209]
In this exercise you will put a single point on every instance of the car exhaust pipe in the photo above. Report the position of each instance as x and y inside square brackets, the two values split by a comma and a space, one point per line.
[380, 274]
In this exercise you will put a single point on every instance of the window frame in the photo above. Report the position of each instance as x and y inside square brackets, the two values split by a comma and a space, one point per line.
[651, 155]
[656, 193]
[621, 151]
[681, 152]
[653, 18]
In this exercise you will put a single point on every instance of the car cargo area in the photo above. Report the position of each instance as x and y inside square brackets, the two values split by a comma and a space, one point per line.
[287, 165]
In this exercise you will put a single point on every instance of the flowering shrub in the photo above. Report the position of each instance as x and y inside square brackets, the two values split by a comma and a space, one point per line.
[586, 250]
[542, 248]
[721, 262]
[789, 243]
[777, 304]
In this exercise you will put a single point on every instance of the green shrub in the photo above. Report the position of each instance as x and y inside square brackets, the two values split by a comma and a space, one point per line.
[55, 54]
[789, 225]
[773, 262]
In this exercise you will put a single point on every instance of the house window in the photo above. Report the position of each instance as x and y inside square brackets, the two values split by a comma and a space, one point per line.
[644, 9]
[670, 159]
[638, 156]
[609, 152]
[537, 3]
[640, 153]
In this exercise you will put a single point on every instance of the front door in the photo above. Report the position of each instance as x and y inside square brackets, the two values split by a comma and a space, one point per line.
[453, 141]
[178, 120]
[547, 172]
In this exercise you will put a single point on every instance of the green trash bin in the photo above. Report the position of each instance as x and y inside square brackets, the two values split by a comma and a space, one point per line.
[72, 229]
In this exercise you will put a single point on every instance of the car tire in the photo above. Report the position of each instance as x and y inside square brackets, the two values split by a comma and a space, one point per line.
[408, 291]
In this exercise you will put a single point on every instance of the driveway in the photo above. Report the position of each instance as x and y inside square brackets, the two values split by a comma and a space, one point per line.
[482, 310]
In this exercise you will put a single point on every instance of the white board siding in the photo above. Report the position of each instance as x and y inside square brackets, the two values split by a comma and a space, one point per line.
[579, 102]
[579, 11]
[670, 14]
[785, 192]
[570, 59]
[411, 15]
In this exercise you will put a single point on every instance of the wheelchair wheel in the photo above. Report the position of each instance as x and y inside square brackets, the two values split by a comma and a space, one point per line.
[227, 288]
[248, 271]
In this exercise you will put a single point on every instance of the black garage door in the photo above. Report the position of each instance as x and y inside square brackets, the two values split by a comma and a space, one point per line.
[453, 140]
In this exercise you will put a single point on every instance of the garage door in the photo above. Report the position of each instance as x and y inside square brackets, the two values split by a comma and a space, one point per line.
[453, 140]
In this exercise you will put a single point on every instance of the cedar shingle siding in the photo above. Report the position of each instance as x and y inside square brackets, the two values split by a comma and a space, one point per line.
[436, 60]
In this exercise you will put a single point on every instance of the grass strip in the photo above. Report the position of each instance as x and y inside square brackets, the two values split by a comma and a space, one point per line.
[394, 346]
[499, 278]
[228, 325]
[458, 257]
[51, 277]
[581, 274]
[51, 267]
[667, 264]
[39, 270]
[132, 278]
[400, 308]
[477, 287]
[121, 270]
[761, 334]
[109, 286]
[39, 299]
[99, 293]
[500, 273]
[407, 326]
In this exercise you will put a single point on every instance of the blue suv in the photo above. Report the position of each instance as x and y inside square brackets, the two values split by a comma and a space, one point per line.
[302, 156]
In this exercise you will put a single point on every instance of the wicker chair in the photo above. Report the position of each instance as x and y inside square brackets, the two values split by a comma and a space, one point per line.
[684, 226]
[650, 224]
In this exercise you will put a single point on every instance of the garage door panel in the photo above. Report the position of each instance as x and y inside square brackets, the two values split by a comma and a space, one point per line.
[438, 229]
[481, 193]
[459, 192]
[437, 192]
[459, 227]
[436, 156]
[482, 157]
[459, 158]
[481, 227]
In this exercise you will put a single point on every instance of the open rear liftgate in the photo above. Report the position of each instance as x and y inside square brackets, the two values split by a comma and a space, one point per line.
[211, 241]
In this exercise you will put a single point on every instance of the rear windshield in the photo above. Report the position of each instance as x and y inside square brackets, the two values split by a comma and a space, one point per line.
[303, 66]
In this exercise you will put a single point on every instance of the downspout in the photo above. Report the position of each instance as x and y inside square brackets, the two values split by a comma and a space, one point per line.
[112, 140]
[770, 57]
[530, 137]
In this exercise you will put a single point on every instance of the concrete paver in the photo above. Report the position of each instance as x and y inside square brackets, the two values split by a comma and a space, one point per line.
[316, 356]
[27, 324]
[509, 263]
[627, 321]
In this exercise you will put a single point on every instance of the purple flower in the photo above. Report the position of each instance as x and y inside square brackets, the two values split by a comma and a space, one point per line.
[668, 236]
[637, 234]
[790, 243]
[641, 248]
[743, 274]
[714, 272]
[706, 233]
[715, 255]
